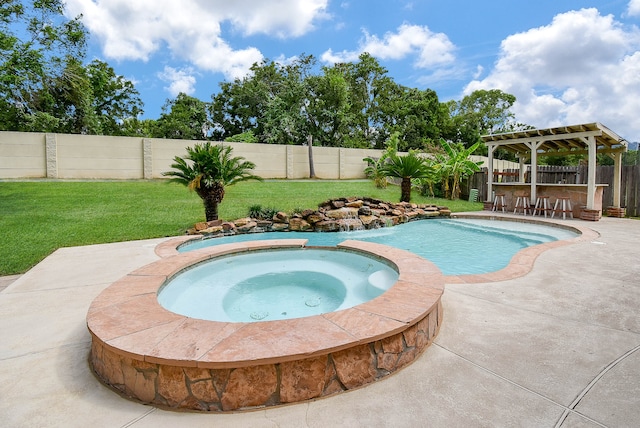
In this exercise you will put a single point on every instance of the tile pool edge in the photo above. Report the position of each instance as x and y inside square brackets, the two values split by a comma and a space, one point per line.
[165, 359]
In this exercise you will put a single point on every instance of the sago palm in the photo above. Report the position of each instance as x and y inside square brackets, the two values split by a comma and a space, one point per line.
[207, 169]
[407, 167]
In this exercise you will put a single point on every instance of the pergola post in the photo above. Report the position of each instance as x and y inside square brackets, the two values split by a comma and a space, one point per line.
[491, 148]
[617, 178]
[533, 146]
[584, 139]
[591, 172]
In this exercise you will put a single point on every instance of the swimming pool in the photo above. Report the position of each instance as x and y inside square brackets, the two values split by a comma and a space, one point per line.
[456, 246]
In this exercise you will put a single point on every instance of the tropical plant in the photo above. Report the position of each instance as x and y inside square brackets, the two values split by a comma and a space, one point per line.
[207, 169]
[407, 168]
[455, 166]
[262, 213]
[375, 171]
[426, 185]
[375, 166]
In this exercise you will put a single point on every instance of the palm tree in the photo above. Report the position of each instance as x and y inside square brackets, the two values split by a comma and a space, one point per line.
[456, 166]
[209, 170]
[406, 167]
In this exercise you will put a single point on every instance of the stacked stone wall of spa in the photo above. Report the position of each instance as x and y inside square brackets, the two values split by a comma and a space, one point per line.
[227, 389]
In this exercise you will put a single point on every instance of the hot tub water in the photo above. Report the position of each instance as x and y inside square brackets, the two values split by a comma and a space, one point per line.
[276, 285]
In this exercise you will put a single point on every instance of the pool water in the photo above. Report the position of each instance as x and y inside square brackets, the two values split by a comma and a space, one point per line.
[456, 246]
[276, 284]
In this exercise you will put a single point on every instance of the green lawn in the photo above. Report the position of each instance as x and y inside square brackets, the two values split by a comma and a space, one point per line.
[37, 217]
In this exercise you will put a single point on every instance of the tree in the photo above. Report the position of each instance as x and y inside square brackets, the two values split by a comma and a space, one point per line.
[134, 127]
[184, 118]
[284, 118]
[115, 100]
[368, 83]
[413, 114]
[245, 137]
[326, 111]
[407, 167]
[39, 47]
[479, 113]
[455, 165]
[488, 110]
[241, 105]
[64, 103]
[207, 169]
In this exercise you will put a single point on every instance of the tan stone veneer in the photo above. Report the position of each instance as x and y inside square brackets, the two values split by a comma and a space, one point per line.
[162, 358]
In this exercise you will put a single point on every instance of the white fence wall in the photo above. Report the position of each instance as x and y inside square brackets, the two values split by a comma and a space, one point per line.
[67, 156]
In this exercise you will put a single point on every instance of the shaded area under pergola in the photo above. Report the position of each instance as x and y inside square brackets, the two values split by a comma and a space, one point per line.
[585, 139]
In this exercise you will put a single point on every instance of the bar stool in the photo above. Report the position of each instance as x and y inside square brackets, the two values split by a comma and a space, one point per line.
[542, 206]
[565, 205]
[522, 204]
[498, 203]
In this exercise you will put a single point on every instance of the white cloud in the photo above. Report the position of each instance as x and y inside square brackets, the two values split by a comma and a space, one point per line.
[430, 49]
[179, 80]
[634, 8]
[583, 67]
[191, 29]
[478, 72]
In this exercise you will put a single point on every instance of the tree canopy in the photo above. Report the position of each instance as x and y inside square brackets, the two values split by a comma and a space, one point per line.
[46, 86]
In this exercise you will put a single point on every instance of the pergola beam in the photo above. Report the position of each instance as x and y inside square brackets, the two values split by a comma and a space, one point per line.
[585, 139]
[540, 138]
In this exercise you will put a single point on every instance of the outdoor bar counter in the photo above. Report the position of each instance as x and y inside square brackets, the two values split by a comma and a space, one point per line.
[590, 139]
[577, 193]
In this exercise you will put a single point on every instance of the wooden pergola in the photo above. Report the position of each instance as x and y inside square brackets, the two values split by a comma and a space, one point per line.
[585, 139]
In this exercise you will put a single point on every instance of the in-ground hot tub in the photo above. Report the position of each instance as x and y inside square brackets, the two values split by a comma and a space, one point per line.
[160, 357]
[276, 284]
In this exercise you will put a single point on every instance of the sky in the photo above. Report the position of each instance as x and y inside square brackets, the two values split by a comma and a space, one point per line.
[566, 61]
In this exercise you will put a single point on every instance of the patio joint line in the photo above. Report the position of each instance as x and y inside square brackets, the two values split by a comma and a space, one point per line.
[591, 384]
[139, 418]
[524, 388]
[86, 343]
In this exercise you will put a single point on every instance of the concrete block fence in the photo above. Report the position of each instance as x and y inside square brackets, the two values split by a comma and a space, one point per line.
[70, 156]
[66, 156]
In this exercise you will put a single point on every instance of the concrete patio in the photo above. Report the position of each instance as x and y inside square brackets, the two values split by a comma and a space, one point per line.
[559, 346]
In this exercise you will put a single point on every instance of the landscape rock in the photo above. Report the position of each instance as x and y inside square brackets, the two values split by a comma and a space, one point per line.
[342, 213]
[299, 225]
[327, 226]
[354, 204]
[281, 217]
[353, 213]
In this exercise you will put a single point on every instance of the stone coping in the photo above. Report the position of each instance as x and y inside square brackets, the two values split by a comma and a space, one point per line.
[127, 319]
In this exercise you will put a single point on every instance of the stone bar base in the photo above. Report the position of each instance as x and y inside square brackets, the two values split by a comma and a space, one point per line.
[590, 215]
[616, 212]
